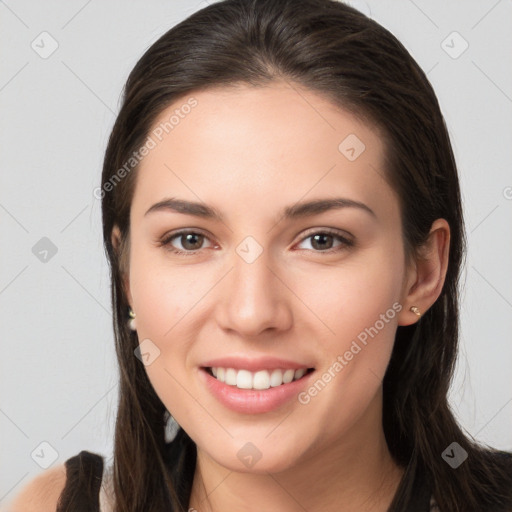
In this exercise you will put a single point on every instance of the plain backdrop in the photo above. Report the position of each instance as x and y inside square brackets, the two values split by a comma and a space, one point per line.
[62, 69]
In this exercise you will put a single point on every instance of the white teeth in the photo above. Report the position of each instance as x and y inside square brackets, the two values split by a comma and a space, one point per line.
[276, 378]
[288, 376]
[299, 373]
[244, 379]
[263, 379]
[230, 376]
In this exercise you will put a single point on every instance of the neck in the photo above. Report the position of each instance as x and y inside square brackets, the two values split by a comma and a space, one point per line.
[356, 471]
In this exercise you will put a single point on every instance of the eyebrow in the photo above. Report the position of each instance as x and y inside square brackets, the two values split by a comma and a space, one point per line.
[298, 210]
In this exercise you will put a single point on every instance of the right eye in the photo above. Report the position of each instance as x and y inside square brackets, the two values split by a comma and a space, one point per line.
[187, 238]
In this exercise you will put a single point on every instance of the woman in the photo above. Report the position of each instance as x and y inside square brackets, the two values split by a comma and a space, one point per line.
[282, 217]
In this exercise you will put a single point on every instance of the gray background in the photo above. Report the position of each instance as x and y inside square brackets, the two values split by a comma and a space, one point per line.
[58, 372]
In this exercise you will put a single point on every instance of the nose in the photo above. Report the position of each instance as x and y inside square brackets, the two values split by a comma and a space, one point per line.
[255, 298]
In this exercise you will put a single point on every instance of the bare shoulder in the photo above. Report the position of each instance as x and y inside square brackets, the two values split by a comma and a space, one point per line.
[42, 493]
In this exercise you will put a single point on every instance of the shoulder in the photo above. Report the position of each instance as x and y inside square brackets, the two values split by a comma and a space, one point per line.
[42, 493]
[76, 482]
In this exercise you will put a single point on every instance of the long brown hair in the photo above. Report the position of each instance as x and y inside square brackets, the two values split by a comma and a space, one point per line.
[350, 59]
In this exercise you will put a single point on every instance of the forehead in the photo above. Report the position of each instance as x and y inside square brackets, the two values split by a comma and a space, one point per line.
[280, 113]
[261, 143]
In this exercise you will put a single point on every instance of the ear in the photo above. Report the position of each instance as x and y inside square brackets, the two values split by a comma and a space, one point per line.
[426, 275]
[116, 243]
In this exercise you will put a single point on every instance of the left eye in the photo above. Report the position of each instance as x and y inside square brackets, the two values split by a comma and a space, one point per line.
[320, 240]
[192, 241]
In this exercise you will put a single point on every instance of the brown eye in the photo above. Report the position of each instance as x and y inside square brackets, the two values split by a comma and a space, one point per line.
[323, 241]
[190, 242]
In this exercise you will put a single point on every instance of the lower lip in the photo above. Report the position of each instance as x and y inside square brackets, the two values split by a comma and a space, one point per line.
[253, 401]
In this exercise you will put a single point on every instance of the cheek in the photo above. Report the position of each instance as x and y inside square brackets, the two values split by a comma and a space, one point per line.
[356, 309]
[163, 295]
[353, 295]
[359, 307]
[164, 305]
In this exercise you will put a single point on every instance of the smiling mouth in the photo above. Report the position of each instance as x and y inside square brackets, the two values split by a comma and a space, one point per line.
[260, 380]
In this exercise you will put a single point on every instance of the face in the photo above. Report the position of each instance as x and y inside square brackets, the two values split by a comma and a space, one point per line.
[253, 280]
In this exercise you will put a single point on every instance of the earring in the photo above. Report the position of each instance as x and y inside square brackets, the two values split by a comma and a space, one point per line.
[415, 310]
[131, 322]
[171, 427]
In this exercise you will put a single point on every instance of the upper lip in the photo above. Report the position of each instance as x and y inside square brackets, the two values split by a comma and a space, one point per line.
[254, 363]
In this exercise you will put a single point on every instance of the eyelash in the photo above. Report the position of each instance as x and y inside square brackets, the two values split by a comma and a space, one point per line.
[346, 243]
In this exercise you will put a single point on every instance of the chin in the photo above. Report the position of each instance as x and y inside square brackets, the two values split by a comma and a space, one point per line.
[251, 459]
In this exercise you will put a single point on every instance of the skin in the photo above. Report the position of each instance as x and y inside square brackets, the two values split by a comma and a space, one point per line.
[250, 152]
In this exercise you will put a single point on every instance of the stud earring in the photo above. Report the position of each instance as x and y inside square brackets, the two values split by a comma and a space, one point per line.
[131, 322]
[415, 310]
